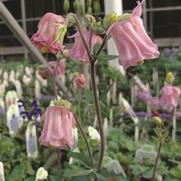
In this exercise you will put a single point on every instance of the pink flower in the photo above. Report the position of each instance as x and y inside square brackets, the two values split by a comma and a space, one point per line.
[132, 41]
[145, 96]
[80, 80]
[78, 50]
[57, 130]
[50, 34]
[170, 97]
[57, 66]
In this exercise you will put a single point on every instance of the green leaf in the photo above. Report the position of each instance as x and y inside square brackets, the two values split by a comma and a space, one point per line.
[107, 57]
[96, 48]
[77, 172]
[176, 172]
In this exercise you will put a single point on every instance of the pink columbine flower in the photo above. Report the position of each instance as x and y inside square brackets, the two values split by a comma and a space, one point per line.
[170, 95]
[132, 41]
[57, 130]
[80, 80]
[58, 68]
[50, 34]
[78, 50]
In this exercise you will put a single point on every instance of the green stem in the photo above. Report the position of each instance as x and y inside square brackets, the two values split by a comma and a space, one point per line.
[54, 87]
[86, 141]
[59, 159]
[98, 112]
[156, 161]
[79, 104]
[101, 47]
[94, 86]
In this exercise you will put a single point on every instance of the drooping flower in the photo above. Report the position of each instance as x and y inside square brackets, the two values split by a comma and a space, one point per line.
[50, 34]
[169, 97]
[57, 130]
[78, 50]
[58, 68]
[132, 41]
[41, 174]
[80, 80]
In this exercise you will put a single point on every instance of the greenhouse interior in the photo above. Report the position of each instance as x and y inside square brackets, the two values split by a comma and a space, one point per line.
[90, 90]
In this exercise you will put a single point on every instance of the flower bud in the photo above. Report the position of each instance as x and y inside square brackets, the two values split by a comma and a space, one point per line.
[82, 10]
[76, 5]
[90, 20]
[41, 174]
[89, 3]
[170, 77]
[66, 5]
[157, 120]
[89, 10]
[96, 6]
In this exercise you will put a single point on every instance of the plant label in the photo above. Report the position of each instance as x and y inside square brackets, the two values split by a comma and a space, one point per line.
[2, 172]
[31, 141]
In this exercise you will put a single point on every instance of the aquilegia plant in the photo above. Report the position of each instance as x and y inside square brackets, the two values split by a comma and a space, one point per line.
[133, 44]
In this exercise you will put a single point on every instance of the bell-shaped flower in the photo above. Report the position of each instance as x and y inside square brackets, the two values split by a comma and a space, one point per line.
[57, 130]
[50, 34]
[58, 68]
[170, 96]
[41, 174]
[79, 80]
[132, 41]
[78, 50]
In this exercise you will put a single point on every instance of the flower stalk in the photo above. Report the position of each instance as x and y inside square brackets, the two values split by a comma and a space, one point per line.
[86, 141]
[98, 112]
[157, 158]
[92, 60]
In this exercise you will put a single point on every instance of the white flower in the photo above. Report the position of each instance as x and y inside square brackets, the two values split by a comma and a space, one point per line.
[93, 133]
[41, 174]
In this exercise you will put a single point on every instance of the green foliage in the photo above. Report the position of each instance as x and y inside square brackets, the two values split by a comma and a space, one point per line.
[120, 138]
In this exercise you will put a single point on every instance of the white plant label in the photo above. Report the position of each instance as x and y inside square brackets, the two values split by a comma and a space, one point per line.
[14, 121]
[31, 141]
[2, 178]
